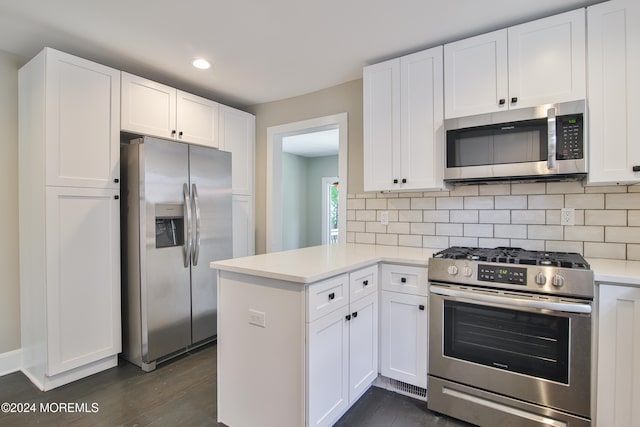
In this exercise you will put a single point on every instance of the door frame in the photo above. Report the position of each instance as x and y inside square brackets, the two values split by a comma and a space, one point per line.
[274, 172]
[326, 231]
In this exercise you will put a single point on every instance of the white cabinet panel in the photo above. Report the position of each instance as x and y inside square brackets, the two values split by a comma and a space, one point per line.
[476, 75]
[363, 345]
[404, 338]
[405, 279]
[237, 135]
[148, 107]
[614, 92]
[547, 60]
[363, 282]
[197, 119]
[328, 368]
[618, 384]
[243, 226]
[82, 109]
[83, 276]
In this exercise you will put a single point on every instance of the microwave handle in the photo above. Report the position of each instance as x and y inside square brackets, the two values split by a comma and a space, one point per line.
[551, 138]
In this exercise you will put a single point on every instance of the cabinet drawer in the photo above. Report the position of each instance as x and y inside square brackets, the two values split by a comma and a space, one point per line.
[327, 296]
[363, 282]
[405, 279]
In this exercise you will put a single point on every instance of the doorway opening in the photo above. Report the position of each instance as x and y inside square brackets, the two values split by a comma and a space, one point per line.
[330, 229]
[298, 221]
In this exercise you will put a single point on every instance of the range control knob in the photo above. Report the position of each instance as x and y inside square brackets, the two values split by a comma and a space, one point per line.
[452, 270]
[467, 271]
[557, 281]
[541, 279]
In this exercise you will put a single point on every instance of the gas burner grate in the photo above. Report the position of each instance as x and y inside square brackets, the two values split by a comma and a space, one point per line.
[509, 255]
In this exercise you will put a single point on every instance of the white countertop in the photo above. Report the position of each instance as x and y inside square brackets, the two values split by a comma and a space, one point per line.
[315, 263]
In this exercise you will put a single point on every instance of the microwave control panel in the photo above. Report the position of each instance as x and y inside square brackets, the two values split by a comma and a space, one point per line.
[570, 137]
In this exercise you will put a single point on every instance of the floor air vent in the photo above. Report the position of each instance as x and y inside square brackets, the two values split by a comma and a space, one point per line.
[407, 389]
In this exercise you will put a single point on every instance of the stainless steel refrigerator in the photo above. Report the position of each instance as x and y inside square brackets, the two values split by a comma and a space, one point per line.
[176, 219]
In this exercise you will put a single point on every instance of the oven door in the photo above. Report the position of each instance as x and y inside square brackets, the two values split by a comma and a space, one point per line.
[526, 347]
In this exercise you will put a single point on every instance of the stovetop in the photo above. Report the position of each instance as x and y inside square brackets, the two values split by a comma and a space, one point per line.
[510, 255]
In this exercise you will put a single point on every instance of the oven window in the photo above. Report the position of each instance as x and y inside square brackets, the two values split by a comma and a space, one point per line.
[516, 142]
[529, 343]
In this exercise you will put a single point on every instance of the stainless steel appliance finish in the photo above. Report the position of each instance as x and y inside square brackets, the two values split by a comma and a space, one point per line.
[176, 219]
[510, 334]
[547, 142]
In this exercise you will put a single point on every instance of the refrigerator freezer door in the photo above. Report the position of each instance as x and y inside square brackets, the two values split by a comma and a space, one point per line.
[165, 294]
[211, 177]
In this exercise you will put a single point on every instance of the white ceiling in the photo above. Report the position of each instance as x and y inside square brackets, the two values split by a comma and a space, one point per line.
[314, 144]
[261, 50]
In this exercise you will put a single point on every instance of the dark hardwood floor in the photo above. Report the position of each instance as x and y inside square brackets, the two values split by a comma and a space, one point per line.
[179, 393]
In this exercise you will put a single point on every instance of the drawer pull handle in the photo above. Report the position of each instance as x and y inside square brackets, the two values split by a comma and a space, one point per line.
[501, 102]
[395, 181]
[348, 317]
[636, 168]
[365, 283]
[332, 296]
[354, 314]
[403, 280]
[421, 307]
[514, 99]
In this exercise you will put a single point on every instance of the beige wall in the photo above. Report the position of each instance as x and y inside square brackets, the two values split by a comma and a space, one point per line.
[346, 97]
[9, 268]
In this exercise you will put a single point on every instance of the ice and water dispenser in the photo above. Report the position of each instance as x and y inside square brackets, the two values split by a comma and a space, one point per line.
[169, 225]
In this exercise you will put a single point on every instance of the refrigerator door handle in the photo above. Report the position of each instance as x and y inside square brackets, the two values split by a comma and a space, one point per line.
[187, 225]
[196, 212]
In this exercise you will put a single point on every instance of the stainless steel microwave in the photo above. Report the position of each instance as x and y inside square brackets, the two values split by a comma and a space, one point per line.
[544, 142]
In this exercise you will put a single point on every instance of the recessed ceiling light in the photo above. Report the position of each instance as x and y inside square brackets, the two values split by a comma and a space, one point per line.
[202, 64]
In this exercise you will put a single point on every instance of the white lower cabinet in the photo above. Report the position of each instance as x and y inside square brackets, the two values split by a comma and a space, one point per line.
[618, 378]
[403, 338]
[342, 350]
[243, 226]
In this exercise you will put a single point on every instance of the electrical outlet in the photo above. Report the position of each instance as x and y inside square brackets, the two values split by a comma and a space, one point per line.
[568, 216]
[384, 217]
[257, 318]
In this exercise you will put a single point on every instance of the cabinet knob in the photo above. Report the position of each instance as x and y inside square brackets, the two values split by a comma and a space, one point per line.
[173, 133]
[514, 99]
[354, 314]
[116, 180]
[348, 317]
[404, 180]
[365, 283]
[116, 197]
[332, 296]
[502, 101]
[403, 280]
[395, 181]
[421, 307]
[180, 134]
[636, 168]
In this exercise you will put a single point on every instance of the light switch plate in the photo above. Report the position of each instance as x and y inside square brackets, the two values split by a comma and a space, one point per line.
[257, 318]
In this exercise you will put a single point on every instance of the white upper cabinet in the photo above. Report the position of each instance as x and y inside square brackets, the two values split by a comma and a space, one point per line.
[237, 135]
[614, 92]
[82, 126]
[538, 62]
[154, 109]
[403, 115]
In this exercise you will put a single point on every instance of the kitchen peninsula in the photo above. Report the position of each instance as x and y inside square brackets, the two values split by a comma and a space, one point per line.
[298, 330]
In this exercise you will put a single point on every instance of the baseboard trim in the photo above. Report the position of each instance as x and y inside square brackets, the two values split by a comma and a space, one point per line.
[10, 362]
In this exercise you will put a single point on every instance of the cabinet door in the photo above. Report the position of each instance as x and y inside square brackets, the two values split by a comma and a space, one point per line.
[382, 126]
[237, 135]
[403, 339]
[148, 108]
[475, 75]
[614, 86]
[618, 384]
[196, 119]
[83, 276]
[82, 127]
[363, 345]
[243, 226]
[328, 368]
[422, 142]
[547, 60]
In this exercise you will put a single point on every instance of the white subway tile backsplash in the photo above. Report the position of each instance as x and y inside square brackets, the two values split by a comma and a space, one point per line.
[589, 233]
[365, 215]
[464, 241]
[399, 228]
[564, 246]
[622, 234]
[449, 203]
[495, 217]
[554, 201]
[530, 245]
[529, 188]
[545, 232]
[351, 237]
[584, 201]
[351, 215]
[366, 196]
[495, 190]
[387, 195]
[410, 216]
[634, 219]
[510, 231]
[484, 242]
[387, 239]
[436, 216]
[464, 190]
[478, 230]
[356, 226]
[528, 217]
[423, 228]
[412, 195]
[356, 204]
[410, 240]
[392, 216]
[403, 203]
[606, 217]
[633, 252]
[368, 238]
[436, 242]
[423, 203]
[565, 187]
[511, 202]
[606, 189]
[375, 227]
[469, 216]
[622, 201]
[376, 204]
[449, 229]
[605, 250]
[478, 202]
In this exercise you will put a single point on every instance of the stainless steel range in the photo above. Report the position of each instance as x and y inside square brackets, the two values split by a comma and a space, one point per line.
[510, 337]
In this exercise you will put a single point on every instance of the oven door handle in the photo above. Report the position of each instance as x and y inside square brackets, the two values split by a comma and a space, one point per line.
[569, 307]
